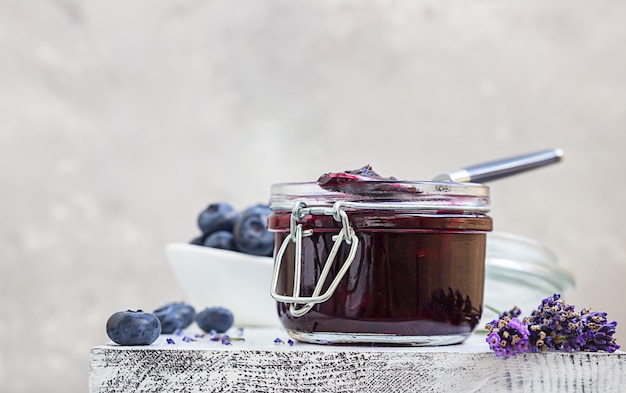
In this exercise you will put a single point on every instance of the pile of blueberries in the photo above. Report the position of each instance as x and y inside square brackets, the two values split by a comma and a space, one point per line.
[143, 328]
[245, 231]
[222, 227]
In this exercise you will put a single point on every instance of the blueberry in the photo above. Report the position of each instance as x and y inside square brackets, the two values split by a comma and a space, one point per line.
[250, 231]
[174, 316]
[133, 328]
[217, 217]
[169, 320]
[198, 241]
[186, 313]
[219, 319]
[221, 239]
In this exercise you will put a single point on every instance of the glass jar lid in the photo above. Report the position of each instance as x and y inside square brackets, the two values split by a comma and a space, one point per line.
[520, 272]
[384, 194]
[527, 262]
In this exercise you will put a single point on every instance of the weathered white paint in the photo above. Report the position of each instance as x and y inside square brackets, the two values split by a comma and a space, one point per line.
[259, 365]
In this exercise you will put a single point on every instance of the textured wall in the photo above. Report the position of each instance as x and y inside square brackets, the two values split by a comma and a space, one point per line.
[121, 120]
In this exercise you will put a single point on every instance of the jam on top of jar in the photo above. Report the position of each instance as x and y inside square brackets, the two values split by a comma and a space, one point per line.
[365, 173]
[361, 181]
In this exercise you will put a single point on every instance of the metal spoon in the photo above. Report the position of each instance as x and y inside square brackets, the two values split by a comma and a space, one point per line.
[494, 170]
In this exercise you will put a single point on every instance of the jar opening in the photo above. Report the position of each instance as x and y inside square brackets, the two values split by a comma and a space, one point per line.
[386, 195]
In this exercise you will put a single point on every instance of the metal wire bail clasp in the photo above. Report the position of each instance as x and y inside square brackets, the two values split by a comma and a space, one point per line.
[346, 234]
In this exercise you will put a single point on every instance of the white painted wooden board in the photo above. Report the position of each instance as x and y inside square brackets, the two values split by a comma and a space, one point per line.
[259, 365]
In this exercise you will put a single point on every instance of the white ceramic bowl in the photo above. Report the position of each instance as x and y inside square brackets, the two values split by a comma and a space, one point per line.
[240, 282]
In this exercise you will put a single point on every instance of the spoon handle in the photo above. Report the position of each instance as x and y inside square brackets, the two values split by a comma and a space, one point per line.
[494, 170]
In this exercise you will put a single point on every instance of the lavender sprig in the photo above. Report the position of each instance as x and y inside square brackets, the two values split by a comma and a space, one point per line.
[553, 325]
[597, 332]
[508, 335]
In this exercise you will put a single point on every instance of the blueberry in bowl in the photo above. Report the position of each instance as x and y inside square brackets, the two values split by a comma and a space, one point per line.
[250, 232]
[198, 240]
[219, 216]
[245, 231]
[229, 263]
[224, 240]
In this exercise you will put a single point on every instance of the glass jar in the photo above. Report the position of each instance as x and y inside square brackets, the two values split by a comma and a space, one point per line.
[390, 262]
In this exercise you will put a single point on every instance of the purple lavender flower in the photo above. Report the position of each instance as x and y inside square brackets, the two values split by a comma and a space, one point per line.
[554, 325]
[214, 336]
[508, 336]
[170, 341]
[597, 332]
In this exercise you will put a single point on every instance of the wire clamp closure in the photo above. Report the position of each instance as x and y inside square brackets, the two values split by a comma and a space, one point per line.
[300, 305]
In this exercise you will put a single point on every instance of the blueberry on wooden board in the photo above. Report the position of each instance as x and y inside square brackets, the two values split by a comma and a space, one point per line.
[174, 316]
[133, 328]
[219, 319]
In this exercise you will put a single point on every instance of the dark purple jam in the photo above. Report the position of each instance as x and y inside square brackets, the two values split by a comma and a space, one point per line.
[414, 274]
[362, 181]
[336, 179]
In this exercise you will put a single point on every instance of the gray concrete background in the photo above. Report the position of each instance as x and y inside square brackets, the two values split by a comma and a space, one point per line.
[120, 121]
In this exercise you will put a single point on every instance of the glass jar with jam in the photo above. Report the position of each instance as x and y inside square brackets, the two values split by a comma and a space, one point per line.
[362, 259]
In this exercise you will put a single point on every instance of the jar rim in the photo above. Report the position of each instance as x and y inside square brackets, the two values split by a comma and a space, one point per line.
[417, 194]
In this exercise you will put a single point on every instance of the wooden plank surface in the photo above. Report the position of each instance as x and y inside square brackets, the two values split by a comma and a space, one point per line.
[257, 364]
